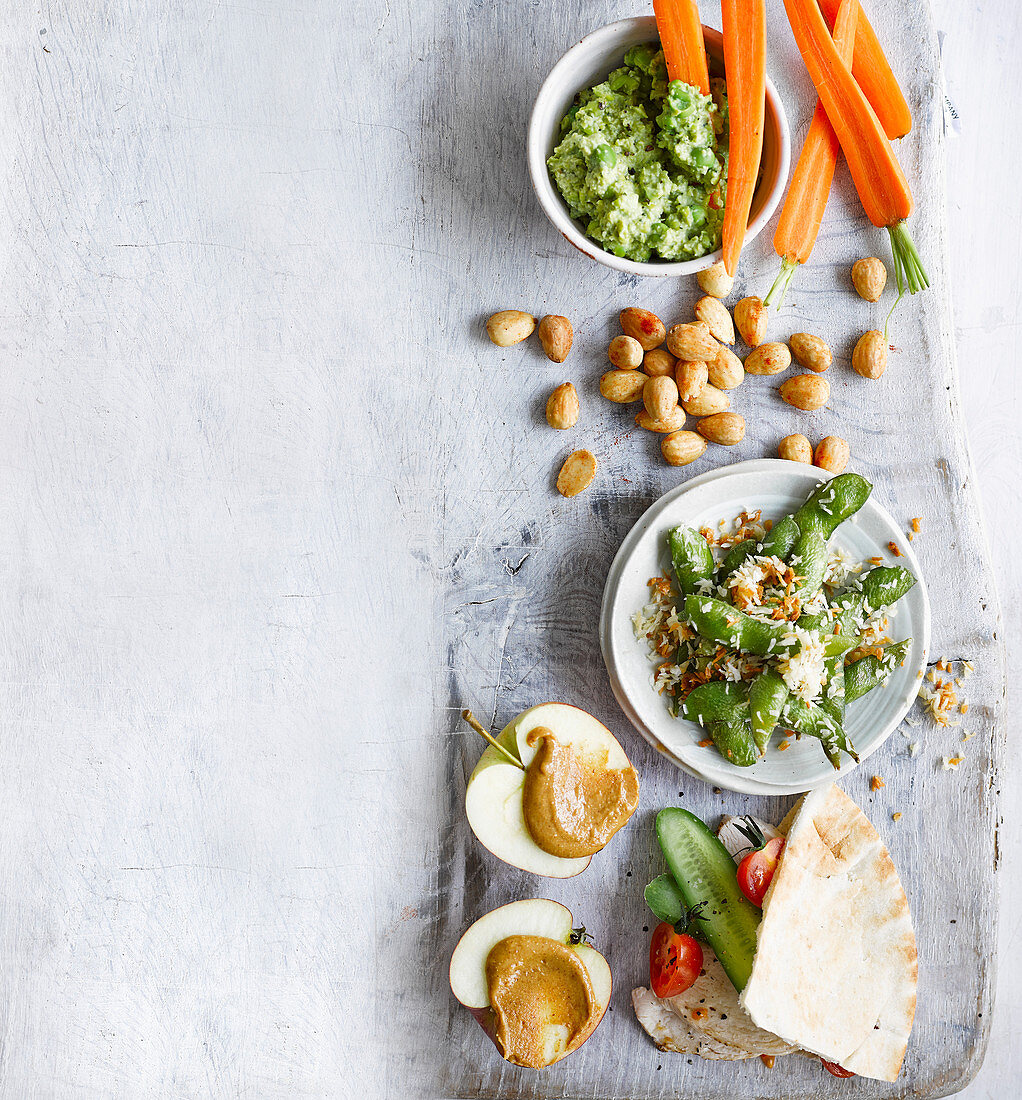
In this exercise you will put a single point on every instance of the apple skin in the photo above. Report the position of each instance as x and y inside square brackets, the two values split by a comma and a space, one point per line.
[530, 917]
[493, 797]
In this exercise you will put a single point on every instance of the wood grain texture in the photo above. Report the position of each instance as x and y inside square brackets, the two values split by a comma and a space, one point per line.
[274, 507]
[525, 574]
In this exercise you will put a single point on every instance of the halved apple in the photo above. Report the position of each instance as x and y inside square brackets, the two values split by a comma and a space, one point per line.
[493, 797]
[534, 917]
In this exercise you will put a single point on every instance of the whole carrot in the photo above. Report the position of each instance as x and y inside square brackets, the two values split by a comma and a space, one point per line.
[879, 180]
[873, 74]
[809, 189]
[744, 27]
[681, 36]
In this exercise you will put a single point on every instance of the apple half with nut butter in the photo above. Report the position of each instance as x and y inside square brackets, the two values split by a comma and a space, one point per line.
[574, 790]
[533, 986]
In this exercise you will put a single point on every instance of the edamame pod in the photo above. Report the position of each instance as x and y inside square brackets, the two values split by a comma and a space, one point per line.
[880, 587]
[809, 561]
[767, 695]
[809, 719]
[719, 621]
[832, 503]
[778, 542]
[691, 557]
[869, 672]
[722, 709]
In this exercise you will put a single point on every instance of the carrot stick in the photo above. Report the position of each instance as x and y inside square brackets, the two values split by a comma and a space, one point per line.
[874, 76]
[681, 36]
[809, 189]
[744, 25]
[879, 180]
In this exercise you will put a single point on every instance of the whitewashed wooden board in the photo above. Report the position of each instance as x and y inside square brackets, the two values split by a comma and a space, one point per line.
[524, 572]
[259, 461]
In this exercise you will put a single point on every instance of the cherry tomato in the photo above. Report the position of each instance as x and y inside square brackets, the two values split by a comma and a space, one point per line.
[836, 1070]
[675, 959]
[757, 869]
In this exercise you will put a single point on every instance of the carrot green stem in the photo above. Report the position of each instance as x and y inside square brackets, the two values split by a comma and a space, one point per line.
[780, 287]
[909, 273]
[478, 727]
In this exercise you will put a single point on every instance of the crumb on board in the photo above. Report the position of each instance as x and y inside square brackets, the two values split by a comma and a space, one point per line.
[876, 783]
[917, 524]
[950, 763]
[896, 817]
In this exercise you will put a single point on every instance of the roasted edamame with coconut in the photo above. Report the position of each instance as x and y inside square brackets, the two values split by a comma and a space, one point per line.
[784, 633]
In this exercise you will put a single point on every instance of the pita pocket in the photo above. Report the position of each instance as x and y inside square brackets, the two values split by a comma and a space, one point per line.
[835, 968]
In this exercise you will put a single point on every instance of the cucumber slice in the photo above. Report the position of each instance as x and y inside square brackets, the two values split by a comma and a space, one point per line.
[705, 875]
[664, 899]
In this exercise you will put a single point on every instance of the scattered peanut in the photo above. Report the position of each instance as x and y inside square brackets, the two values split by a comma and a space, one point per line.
[510, 326]
[555, 334]
[751, 319]
[870, 355]
[807, 392]
[715, 280]
[725, 428]
[625, 352]
[768, 359]
[681, 448]
[623, 386]
[713, 313]
[869, 277]
[795, 448]
[660, 396]
[692, 341]
[832, 454]
[576, 474]
[643, 326]
[672, 423]
[658, 361]
[562, 407]
[726, 371]
[708, 401]
[810, 351]
[691, 376]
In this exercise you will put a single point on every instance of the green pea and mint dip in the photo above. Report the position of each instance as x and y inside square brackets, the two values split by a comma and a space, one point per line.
[642, 162]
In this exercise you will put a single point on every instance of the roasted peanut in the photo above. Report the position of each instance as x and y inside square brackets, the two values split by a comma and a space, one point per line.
[715, 316]
[795, 448]
[576, 474]
[660, 396]
[869, 277]
[726, 371]
[768, 359]
[562, 407]
[708, 401]
[681, 448]
[810, 351]
[691, 376]
[555, 334]
[643, 326]
[715, 280]
[807, 392]
[625, 352]
[832, 453]
[870, 355]
[658, 361]
[725, 428]
[692, 341]
[751, 319]
[672, 423]
[623, 386]
[510, 326]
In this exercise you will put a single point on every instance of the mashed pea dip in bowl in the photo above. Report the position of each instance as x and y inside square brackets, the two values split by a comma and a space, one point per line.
[631, 170]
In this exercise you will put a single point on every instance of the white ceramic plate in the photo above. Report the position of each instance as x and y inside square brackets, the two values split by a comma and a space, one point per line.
[778, 488]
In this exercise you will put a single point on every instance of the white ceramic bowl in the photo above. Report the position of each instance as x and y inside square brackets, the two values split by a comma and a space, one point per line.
[778, 487]
[587, 64]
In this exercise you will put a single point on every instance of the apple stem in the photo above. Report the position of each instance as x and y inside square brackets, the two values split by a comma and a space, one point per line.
[478, 727]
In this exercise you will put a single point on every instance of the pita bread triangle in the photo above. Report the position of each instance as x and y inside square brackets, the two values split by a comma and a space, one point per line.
[835, 969]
